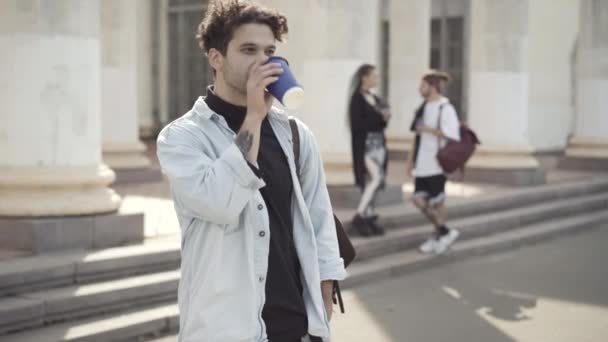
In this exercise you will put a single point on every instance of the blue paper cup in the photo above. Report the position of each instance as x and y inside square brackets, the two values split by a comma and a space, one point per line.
[286, 89]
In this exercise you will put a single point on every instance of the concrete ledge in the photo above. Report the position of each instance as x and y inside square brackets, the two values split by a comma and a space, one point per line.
[511, 177]
[41, 235]
[136, 325]
[348, 196]
[45, 271]
[20, 313]
[141, 175]
[584, 164]
[397, 155]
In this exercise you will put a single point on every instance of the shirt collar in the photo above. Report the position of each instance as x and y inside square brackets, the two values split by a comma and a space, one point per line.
[233, 114]
[203, 109]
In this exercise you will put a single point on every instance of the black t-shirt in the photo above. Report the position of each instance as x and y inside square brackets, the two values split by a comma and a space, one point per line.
[284, 312]
[363, 116]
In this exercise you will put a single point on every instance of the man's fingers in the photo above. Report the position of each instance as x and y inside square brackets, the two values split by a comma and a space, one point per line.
[270, 72]
[265, 75]
[253, 67]
[268, 81]
[258, 68]
[269, 66]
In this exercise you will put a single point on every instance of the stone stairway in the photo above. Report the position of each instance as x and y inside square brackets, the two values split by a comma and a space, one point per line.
[129, 293]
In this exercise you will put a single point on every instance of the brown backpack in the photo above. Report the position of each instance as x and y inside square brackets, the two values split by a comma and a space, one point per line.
[455, 154]
[347, 250]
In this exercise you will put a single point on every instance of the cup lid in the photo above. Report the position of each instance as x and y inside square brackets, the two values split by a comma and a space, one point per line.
[293, 98]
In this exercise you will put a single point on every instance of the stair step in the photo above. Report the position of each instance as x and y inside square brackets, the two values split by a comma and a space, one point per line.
[163, 320]
[20, 313]
[59, 269]
[397, 240]
[8, 253]
[411, 260]
[80, 301]
[168, 338]
[397, 217]
[27, 274]
[129, 326]
[405, 215]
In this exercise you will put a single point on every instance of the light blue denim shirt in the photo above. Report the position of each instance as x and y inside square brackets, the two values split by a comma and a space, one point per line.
[225, 227]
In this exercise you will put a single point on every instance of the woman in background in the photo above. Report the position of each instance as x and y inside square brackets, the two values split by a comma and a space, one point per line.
[368, 116]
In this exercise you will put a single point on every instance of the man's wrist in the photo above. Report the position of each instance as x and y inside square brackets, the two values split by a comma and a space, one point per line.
[254, 117]
[327, 288]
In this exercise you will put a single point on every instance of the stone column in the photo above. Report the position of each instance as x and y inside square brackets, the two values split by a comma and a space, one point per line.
[588, 148]
[408, 60]
[498, 94]
[50, 144]
[120, 74]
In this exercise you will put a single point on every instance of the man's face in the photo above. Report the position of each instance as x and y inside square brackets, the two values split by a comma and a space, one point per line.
[250, 43]
[425, 89]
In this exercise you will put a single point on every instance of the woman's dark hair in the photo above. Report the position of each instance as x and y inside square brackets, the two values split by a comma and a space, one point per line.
[357, 80]
[223, 17]
[355, 86]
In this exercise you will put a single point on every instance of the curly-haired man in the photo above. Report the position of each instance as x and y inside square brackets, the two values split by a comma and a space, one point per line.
[259, 246]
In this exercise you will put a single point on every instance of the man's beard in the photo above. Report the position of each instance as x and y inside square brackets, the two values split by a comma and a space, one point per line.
[234, 82]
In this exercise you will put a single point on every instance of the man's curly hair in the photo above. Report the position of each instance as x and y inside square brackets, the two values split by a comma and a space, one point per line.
[223, 17]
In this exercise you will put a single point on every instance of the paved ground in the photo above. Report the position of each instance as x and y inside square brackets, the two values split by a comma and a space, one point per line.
[553, 292]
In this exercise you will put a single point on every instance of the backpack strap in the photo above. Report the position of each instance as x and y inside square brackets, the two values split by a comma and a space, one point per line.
[295, 137]
[439, 124]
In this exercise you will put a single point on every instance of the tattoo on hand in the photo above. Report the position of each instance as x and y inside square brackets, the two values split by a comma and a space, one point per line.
[244, 141]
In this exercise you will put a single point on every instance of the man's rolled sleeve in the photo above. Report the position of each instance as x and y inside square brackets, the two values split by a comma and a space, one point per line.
[243, 171]
[332, 270]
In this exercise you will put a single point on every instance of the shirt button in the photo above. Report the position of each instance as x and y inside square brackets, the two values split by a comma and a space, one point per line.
[262, 233]
[260, 207]
[261, 279]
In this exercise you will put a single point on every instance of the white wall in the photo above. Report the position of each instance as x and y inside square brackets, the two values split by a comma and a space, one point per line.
[119, 64]
[553, 32]
[409, 59]
[592, 73]
[325, 47]
[498, 65]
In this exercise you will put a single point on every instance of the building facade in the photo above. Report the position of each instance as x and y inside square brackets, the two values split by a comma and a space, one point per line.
[82, 81]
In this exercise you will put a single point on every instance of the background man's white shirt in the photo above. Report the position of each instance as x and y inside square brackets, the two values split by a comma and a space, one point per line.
[426, 160]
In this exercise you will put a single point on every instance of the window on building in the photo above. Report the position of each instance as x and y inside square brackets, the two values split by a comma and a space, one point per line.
[189, 71]
[447, 49]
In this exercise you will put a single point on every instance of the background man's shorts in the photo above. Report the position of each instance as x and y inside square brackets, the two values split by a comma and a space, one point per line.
[430, 188]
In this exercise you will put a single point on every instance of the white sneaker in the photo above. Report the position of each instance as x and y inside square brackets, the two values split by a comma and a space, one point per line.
[429, 246]
[446, 241]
